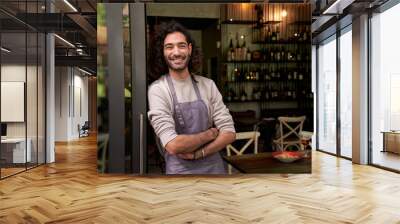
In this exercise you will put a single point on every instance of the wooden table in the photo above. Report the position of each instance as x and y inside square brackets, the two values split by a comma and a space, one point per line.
[391, 141]
[265, 163]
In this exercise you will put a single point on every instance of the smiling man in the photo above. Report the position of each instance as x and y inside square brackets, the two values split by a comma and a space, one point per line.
[186, 110]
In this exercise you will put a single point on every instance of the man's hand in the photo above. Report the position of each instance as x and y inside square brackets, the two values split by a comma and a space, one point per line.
[187, 155]
[189, 143]
[213, 133]
[198, 154]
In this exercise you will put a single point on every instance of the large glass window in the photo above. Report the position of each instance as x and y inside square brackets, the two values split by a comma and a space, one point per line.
[327, 96]
[385, 89]
[15, 149]
[345, 93]
[22, 89]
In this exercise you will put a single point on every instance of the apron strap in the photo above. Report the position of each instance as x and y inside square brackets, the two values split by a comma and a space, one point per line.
[175, 103]
[196, 88]
[172, 88]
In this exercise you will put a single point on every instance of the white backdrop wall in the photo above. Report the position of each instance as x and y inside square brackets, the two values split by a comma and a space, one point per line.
[71, 102]
[15, 73]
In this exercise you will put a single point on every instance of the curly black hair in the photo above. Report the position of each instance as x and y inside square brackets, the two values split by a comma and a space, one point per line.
[158, 65]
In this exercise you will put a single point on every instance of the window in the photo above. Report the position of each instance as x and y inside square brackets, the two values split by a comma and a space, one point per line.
[385, 86]
[327, 96]
[346, 93]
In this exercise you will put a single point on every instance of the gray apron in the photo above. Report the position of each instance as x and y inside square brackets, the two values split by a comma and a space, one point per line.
[191, 118]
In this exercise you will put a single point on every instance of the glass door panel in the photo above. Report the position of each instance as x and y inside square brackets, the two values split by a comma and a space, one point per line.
[346, 94]
[385, 89]
[327, 96]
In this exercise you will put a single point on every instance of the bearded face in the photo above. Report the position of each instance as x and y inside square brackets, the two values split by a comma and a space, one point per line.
[177, 51]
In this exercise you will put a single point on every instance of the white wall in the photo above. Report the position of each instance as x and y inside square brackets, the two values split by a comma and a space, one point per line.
[70, 83]
[12, 73]
[61, 103]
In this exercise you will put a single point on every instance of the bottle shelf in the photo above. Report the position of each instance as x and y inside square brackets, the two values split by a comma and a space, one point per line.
[272, 50]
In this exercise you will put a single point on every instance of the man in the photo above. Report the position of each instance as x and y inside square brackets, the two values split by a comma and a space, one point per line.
[183, 107]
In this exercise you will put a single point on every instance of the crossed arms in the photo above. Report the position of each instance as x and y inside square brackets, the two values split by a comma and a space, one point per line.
[186, 145]
[210, 141]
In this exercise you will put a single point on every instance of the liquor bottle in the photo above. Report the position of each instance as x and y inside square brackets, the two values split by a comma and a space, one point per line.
[247, 75]
[257, 75]
[267, 93]
[244, 50]
[230, 95]
[237, 49]
[272, 73]
[234, 74]
[273, 36]
[254, 94]
[300, 75]
[288, 92]
[277, 33]
[271, 57]
[289, 55]
[278, 54]
[243, 95]
[269, 35]
[235, 96]
[298, 55]
[300, 34]
[305, 38]
[269, 73]
[229, 53]
[278, 74]
[248, 55]
[307, 57]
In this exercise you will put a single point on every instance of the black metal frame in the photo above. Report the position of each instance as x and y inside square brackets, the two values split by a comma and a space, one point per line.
[118, 161]
[0, 91]
[338, 98]
[369, 104]
[44, 72]
[116, 106]
[139, 86]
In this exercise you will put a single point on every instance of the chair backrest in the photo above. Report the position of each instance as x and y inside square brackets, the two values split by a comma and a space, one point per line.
[86, 124]
[290, 126]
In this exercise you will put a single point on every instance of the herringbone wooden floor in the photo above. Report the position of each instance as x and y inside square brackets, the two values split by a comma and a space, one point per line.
[71, 191]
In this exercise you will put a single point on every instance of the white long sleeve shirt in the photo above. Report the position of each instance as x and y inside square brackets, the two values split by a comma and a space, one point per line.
[160, 99]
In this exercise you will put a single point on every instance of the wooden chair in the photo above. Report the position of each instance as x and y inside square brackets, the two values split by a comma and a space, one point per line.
[289, 133]
[252, 136]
